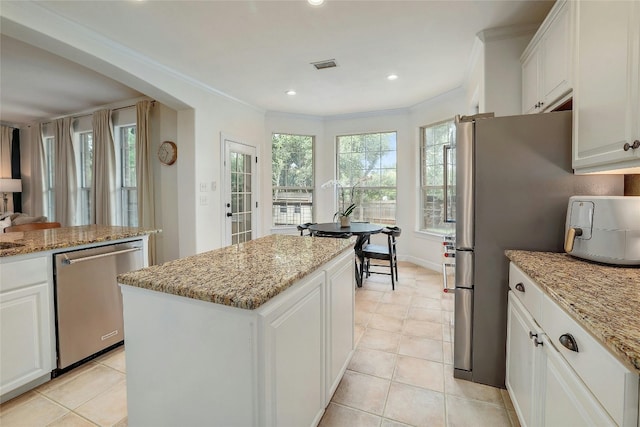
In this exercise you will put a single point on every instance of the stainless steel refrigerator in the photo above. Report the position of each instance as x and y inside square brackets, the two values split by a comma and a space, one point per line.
[513, 182]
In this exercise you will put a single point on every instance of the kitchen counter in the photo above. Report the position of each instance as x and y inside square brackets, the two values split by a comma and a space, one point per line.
[604, 300]
[245, 275]
[64, 237]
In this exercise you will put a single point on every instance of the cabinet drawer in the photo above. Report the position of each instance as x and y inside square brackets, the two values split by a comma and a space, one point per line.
[17, 274]
[611, 383]
[526, 291]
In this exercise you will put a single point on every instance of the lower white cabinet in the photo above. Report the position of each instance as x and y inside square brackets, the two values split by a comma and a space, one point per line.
[549, 383]
[27, 353]
[190, 362]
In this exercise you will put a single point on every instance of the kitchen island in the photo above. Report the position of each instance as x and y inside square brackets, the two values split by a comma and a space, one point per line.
[255, 334]
[27, 289]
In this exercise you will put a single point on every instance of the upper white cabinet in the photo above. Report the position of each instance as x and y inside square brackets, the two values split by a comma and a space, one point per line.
[606, 91]
[546, 62]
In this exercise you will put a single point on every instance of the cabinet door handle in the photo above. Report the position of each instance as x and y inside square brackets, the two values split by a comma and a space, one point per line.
[636, 144]
[627, 146]
[520, 287]
[568, 341]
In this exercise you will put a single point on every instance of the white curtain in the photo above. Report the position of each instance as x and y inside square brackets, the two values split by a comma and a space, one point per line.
[5, 160]
[36, 146]
[66, 183]
[103, 183]
[146, 210]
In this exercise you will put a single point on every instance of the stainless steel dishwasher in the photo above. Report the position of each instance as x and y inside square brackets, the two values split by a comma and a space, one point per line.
[88, 298]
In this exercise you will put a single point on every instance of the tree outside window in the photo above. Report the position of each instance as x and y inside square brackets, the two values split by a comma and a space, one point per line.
[367, 176]
[292, 179]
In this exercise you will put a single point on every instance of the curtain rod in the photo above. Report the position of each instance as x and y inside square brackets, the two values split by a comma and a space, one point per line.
[153, 103]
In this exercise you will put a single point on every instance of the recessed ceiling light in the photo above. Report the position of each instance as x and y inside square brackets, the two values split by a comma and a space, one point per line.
[291, 92]
[392, 77]
[315, 2]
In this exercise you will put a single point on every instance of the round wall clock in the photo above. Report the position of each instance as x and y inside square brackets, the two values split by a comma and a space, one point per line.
[168, 152]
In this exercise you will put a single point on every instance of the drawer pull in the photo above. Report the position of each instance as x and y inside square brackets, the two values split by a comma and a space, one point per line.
[520, 287]
[568, 341]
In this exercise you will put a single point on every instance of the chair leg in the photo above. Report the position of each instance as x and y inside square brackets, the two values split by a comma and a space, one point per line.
[393, 279]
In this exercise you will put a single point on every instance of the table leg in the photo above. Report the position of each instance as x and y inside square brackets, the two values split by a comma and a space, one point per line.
[359, 270]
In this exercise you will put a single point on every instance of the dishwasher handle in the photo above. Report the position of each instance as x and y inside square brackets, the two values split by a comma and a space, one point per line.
[68, 261]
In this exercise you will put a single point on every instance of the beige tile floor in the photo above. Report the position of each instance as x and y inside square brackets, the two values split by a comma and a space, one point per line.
[400, 374]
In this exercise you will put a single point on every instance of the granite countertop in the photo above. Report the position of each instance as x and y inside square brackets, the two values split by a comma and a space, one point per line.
[65, 237]
[603, 299]
[245, 275]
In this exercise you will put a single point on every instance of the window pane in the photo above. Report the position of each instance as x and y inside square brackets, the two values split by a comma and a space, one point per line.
[367, 176]
[128, 176]
[437, 143]
[292, 179]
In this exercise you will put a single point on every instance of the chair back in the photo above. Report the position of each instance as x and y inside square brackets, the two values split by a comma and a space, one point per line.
[392, 234]
[32, 226]
[302, 227]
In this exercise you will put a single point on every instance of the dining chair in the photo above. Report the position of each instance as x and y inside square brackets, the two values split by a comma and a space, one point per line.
[305, 227]
[32, 226]
[384, 253]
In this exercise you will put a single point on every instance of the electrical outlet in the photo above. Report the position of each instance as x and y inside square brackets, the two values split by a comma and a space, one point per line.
[204, 201]
[203, 187]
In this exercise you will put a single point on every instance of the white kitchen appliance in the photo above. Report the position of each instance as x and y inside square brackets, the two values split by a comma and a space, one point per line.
[604, 229]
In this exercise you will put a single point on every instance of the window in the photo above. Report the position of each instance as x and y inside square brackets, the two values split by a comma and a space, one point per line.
[292, 179]
[437, 158]
[49, 154]
[86, 174]
[367, 176]
[128, 185]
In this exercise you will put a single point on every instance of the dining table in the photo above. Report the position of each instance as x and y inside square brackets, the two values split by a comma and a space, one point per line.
[362, 231]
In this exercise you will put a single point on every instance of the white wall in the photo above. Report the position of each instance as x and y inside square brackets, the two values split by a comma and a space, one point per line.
[502, 70]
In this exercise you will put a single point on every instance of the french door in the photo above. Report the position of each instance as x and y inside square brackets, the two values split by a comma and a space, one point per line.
[240, 203]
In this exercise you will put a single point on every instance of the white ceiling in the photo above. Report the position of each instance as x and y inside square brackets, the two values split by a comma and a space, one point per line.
[257, 50]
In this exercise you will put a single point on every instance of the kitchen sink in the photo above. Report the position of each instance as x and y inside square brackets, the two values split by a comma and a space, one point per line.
[10, 245]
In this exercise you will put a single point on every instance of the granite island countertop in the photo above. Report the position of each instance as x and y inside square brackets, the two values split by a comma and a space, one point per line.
[245, 275]
[603, 299]
[65, 237]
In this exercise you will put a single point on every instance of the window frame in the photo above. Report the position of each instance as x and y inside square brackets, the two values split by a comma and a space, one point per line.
[422, 225]
[49, 176]
[85, 183]
[295, 209]
[124, 192]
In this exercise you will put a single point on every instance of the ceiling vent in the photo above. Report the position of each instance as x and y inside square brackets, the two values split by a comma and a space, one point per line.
[328, 63]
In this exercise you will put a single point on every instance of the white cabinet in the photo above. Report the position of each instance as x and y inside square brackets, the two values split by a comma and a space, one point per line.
[294, 358]
[522, 360]
[27, 353]
[607, 85]
[552, 384]
[566, 399]
[547, 61]
[340, 321]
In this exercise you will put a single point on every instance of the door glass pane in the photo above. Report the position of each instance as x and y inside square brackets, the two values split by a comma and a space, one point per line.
[241, 200]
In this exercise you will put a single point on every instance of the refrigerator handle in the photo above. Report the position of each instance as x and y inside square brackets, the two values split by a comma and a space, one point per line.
[445, 157]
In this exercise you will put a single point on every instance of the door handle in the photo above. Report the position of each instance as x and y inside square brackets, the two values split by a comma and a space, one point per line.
[68, 261]
[229, 214]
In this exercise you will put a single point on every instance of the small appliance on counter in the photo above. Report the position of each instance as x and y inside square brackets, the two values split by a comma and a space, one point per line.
[604, 229]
